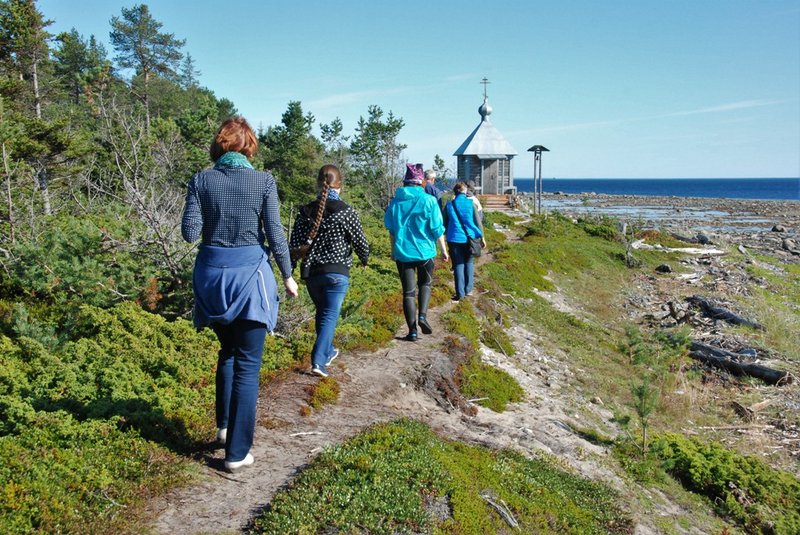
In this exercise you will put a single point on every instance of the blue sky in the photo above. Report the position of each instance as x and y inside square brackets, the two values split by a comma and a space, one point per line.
[614, 88]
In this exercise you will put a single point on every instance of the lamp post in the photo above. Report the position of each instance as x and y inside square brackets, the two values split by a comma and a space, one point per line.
[537, 190]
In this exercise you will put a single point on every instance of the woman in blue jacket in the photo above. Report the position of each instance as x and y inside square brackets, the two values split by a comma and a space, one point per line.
[415, 226]
[234, 210]
[463, 221]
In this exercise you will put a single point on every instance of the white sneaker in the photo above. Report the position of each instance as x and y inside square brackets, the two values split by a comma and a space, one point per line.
[237, 466]
[317, 370]
[335, 354]
[222, 435]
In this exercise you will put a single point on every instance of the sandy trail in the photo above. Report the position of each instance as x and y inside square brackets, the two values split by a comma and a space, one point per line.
[377, 387]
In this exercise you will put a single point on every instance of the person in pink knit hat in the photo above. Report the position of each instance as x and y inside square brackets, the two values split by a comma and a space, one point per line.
[415, 226]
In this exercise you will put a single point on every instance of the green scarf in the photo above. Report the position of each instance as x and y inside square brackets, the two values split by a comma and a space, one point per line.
[232, 159]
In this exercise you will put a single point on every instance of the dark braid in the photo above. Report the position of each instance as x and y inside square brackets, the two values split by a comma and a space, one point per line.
[328, 177]
[320, 211]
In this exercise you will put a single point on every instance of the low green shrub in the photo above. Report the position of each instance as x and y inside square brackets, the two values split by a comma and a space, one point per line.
[759, 498]
[60, 475]
[548, 225]
[323, 392]
[86, 259]
[390, 479]
[87, 429]
[600, 227]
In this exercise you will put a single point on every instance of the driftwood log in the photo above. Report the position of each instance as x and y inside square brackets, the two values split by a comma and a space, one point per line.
[727, 360]
[713, 311]
[700, 238]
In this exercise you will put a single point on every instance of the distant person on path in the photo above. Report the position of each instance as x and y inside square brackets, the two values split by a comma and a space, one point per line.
[432, 189]
[234, 210]
[474, 198]
[326, 268]
[415, 226]
[463, 222]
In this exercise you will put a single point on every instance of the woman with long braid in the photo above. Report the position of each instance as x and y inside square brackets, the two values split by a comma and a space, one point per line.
[332, 231]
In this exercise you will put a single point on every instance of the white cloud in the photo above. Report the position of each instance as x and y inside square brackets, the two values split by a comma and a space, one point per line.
[731, 106]
[741, 105]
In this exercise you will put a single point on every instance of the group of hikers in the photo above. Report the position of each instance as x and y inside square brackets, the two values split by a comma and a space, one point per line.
[234, 210]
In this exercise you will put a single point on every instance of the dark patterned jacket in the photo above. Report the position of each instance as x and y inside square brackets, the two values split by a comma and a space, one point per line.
[340, 233]
[236, 207]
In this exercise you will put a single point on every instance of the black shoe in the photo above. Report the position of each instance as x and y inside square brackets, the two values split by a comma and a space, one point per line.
[424, 325]
[411, 337]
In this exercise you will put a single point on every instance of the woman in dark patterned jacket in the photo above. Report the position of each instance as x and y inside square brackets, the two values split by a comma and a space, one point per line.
[235, 209]
[326, 268]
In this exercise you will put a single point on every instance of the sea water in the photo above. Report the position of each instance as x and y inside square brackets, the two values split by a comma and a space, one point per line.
[731, 188]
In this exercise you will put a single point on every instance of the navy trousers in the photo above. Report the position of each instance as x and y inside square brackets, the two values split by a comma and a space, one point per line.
[238, 368]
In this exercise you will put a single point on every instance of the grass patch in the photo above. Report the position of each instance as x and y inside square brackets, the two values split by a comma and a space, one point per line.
[585, 262]
[323, 392]
[660, 237]
[594, 436]
[392, 477]
[499, 218]
[777, 307]
[494, 337]
[491, 387]
[461, 320]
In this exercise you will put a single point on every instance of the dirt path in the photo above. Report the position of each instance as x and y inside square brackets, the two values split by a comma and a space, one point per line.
[377, 387]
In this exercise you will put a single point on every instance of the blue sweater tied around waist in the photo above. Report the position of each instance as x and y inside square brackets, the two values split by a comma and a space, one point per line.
[234, 283]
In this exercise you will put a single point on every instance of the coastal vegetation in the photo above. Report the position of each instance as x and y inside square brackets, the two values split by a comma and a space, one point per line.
[402, 478]
[106, 389]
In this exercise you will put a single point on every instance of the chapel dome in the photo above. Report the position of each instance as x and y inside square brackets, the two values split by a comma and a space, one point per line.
[485, 110]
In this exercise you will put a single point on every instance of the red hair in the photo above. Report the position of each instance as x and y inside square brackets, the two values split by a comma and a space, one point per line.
[234, 135]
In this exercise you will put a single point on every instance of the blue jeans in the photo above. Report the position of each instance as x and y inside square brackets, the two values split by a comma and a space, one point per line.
[238, 367]
[463, 268]
[327, 291]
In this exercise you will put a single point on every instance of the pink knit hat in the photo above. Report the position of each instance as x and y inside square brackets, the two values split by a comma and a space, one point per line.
[414, 174]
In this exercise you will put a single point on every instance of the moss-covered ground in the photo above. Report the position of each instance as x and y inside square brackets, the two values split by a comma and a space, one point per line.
[391, 478]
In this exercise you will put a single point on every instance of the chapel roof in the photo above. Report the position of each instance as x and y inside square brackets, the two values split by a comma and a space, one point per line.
[486, 141]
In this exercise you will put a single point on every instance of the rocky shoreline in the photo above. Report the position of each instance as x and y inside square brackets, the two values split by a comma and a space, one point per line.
[768, 226]
[731, 235]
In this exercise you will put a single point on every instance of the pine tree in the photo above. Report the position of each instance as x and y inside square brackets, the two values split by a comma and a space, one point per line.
[189, 74]
[78, 61]
[23, 45]
[336, 149]
[376, 155]
[140, 45]
[293, 154]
